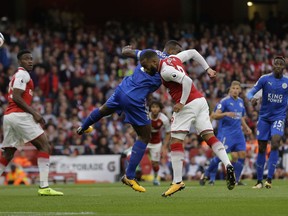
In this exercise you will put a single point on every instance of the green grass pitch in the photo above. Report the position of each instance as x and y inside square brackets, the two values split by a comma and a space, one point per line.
[118, 199]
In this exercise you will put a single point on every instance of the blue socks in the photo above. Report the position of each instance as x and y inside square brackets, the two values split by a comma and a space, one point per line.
[273, 158]
[137, 153]
[260, 163]
[238, 168]
[94, 116]
[211, 171]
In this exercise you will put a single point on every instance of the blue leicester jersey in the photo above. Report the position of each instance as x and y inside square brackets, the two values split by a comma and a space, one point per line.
[140, 84]
[274, 96]
[232, 126]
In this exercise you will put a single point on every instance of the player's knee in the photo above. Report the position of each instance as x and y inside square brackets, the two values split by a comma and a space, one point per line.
[262, 149]
[177, 137]
[147, 138]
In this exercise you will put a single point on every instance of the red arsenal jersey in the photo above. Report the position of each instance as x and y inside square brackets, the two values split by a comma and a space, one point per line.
[161, 121]
[172, 72]
[20, 80]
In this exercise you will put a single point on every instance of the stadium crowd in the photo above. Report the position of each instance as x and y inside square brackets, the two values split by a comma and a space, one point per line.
[77, 68]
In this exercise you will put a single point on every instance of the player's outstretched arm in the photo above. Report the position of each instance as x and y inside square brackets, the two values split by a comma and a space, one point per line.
[195, 55]
[128, 51]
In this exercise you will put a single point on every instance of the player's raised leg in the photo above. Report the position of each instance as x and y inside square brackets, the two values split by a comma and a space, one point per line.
[219, 149]
[96, 115]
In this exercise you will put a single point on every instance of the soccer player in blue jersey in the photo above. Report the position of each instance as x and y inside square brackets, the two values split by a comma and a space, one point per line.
[130, 98]
[271, 119]
[231, 114]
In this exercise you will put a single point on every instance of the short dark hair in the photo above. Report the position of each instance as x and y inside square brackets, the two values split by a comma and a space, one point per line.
[172, 43]
[147, 54]
[155, 102]
[280, 57]
[21, 53]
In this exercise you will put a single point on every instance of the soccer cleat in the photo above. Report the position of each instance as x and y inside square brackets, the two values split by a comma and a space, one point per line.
[156, 182]
[240, 183]
[211, 183]
[258, 185]
[80, 130]
[133, 184]
[268, 184]
[173, 189]
[230, 177]
[203, 179]
[49, 192]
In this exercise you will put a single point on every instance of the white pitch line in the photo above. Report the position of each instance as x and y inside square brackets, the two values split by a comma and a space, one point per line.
[46, 213]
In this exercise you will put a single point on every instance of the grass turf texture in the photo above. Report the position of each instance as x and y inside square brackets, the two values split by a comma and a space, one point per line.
[118, 199]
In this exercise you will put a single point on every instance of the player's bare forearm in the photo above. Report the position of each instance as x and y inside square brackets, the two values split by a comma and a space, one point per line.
[128, 51]
[254, 101]
[177, 107]
[246, 128]
[167, 139]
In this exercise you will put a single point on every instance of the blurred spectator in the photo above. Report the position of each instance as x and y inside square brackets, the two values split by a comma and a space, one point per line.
[102, 146]
[16, 176]
[77, 67]
[21, 160]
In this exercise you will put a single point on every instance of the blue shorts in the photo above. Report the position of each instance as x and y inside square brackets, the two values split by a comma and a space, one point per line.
[267, 129]
[136, 112]
[234, 143]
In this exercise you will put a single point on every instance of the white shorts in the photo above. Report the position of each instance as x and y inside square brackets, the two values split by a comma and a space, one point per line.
[196, 114]
[155, 151]
[19, 128]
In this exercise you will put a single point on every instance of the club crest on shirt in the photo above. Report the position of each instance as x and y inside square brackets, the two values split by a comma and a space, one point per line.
[174, 75]
[284, 85]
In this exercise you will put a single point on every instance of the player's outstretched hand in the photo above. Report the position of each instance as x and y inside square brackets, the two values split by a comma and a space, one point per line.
[126, 48]
[38, 118]
[254, 101]
[178, 107]
[211, 73]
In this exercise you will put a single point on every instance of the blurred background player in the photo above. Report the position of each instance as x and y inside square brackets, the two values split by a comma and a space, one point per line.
[130, 97]
[190, 109]
[158, 121]
[21, 123]
[271, 120]
[231, 113]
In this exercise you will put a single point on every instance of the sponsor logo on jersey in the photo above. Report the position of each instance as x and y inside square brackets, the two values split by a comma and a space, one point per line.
[275, 98]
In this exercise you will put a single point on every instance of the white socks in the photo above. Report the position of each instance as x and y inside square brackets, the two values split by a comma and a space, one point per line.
[177, 159]
[219, 149]
[43, 165]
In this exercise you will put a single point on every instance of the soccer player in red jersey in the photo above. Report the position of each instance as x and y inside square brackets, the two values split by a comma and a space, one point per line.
[159, 121]
[190, 109]
[21, 124]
